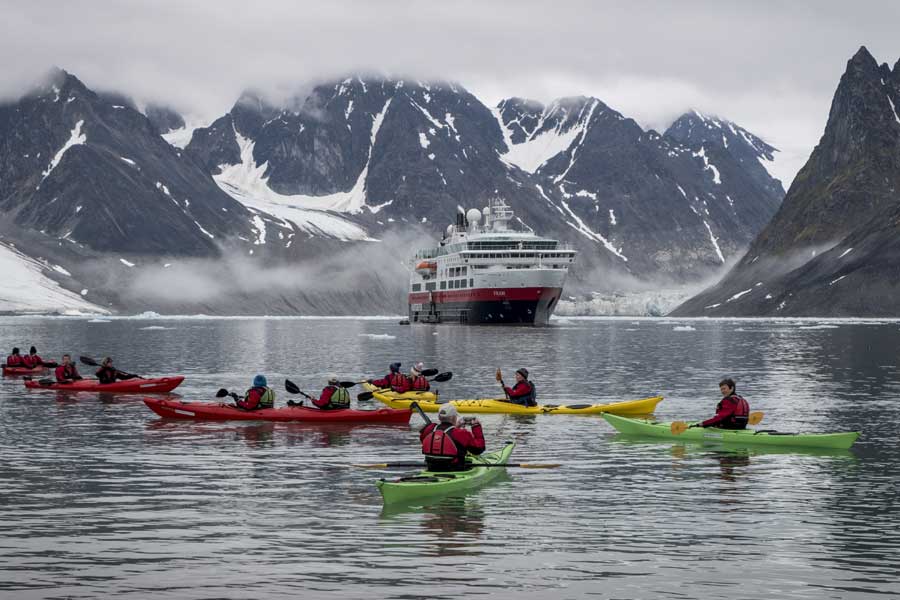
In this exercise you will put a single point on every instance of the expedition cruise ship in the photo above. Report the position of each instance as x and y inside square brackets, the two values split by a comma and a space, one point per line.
[488, 274]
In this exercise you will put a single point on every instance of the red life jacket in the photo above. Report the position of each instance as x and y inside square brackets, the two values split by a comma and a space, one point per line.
[439, 445]
[15, 360]
[741, 414]
[397, 381]
[32, 361]
[420, 383]
[67, 372]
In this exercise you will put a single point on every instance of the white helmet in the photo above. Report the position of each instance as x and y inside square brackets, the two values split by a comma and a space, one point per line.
[448, 413]
[332, 378]
[419, 366]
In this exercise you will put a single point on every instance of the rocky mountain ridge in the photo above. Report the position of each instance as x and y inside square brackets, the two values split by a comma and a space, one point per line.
[832, 248]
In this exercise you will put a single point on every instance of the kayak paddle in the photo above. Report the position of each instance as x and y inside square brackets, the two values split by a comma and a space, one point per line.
[292, 388]
[679, 427]
[412, 465]
[415, 406]
[93, 363]
[499, 377]
[223, 393]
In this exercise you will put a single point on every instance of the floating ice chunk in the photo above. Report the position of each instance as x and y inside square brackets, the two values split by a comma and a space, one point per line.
[683, 328]
[378, 336]
[126, 263]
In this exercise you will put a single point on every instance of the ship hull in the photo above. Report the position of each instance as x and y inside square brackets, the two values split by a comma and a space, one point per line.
[491, 306]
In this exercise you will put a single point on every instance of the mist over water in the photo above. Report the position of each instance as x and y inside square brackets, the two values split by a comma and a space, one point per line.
[103, 499]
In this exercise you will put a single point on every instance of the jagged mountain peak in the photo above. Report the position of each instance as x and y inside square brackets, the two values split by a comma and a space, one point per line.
[831, 249]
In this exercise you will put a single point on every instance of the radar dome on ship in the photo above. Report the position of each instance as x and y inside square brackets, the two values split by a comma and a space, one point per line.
[473, 216]
[450, 229]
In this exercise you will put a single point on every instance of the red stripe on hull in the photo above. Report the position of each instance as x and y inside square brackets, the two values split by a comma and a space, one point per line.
[484, 295]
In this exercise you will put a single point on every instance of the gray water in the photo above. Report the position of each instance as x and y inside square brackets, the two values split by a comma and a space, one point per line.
[102, 499]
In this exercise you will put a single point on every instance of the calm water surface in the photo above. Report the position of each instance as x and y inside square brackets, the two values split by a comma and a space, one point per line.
[103, 499]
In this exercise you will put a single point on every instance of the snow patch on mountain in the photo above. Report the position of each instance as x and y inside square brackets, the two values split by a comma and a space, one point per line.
[538, 149]
[246, 182]
[75, 138]
[25, 288]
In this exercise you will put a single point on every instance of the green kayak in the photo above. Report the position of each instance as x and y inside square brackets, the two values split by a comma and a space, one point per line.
[641, 427]
[428, 484]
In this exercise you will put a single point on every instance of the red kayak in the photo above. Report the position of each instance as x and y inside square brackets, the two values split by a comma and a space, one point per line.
[23, 370]
[203, 411]
[158, 385]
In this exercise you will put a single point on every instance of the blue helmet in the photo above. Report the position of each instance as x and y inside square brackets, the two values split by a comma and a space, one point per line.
[260, 381]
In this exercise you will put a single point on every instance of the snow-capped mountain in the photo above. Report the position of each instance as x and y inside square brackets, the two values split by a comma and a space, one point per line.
[78, 167]
[832, 248]
[362, 159]
[381, 151]
[676, 204]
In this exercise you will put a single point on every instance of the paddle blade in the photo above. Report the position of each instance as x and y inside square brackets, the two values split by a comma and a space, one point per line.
[430, 372]
[756, 417]
[221, 393]
[365, 396]
[46, 381]
[51, 365]
[88, 361]
[291, 387]
[678, 427]
[498, 375]
[443, 377]
[347, 384]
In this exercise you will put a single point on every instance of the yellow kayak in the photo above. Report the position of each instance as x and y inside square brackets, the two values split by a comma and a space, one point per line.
[428, 402]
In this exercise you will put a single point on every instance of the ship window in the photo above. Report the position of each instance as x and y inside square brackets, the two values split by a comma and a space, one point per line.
[429, 286]
[416, 287]
[471, 283]
[443, 285]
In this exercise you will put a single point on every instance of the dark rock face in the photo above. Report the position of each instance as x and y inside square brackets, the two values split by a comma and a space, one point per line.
[79, 168]
[831, 249]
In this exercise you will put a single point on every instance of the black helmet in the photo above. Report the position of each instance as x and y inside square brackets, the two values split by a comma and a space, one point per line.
[15, 351]
[523, 372]
[395, 367]
[33, 350]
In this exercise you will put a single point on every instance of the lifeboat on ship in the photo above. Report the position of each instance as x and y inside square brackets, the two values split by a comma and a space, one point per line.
[426, 268]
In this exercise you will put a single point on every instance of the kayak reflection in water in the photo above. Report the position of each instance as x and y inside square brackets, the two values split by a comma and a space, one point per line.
[257, 397]
[67, 372]
[445, 445]
[333, 396]
[732, 411]
[523, 392]
[107, 373]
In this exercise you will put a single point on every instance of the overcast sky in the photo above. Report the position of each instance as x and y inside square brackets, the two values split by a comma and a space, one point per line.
[770, 66]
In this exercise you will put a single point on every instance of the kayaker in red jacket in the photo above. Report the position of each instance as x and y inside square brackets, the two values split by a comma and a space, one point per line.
[523, 391]
[395, 380]
[66, 372]
[417, 381]
[333, 397]
[15, 359]
[446, 444]
[107, 373]
[257, 397]
[732, 412]
[33, 359]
